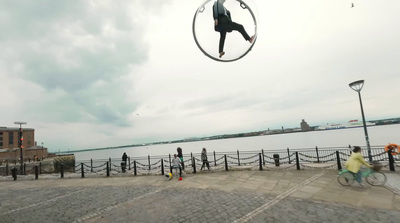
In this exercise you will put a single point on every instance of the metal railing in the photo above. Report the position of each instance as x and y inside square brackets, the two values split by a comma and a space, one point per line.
[304, 158]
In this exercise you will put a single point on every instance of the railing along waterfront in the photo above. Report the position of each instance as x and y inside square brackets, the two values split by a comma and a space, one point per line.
[302, 158]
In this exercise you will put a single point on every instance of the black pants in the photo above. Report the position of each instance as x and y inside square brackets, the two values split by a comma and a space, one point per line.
[227, 26]
[205, 162]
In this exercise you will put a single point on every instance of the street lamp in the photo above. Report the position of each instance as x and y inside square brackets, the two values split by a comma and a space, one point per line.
[357, 86]
[20, 140]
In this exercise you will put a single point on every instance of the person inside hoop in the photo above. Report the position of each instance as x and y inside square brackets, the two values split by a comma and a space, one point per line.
[223, 24]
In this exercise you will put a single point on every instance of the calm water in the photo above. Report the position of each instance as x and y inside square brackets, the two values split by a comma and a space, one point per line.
[378, 135]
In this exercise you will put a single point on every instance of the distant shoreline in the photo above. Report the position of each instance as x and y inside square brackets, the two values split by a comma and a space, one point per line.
[230, 136]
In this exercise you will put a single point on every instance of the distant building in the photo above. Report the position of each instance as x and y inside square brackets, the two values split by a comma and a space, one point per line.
[9, 137]
[304, 126]
[9, 149]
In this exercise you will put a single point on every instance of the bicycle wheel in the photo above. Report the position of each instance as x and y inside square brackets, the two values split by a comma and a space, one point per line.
[376, 179]
[345, 178]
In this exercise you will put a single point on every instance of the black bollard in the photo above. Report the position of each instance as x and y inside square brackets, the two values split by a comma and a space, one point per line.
[297, 161]
[276, 159]
[134, 167]
[170, 167]
[91, 165]
[262, 152]
[339, 165]
[215, 160]
[260, 161]
[238, 158]
[14, 173]
[194, 165]
[288, 154]
[83, 171]
[62, 170]
[391, 161]
[162, 167]
[226, 163]
[149, 162]
[36, 172]
[108, 168]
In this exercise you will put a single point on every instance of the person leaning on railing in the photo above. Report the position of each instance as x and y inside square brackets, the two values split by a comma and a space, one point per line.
[355, 162]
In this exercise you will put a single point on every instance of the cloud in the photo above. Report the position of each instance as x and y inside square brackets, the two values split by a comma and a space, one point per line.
[78, 52]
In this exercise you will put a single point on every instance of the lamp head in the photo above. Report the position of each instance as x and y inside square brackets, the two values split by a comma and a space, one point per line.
[357, 85]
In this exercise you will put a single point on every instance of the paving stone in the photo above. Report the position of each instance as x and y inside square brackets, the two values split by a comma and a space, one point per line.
[206, 197]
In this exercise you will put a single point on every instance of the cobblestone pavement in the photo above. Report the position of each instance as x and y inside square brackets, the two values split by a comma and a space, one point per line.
[233, 196]
[393, 182]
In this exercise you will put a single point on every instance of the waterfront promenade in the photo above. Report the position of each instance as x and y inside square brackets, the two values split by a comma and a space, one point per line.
[225, 196]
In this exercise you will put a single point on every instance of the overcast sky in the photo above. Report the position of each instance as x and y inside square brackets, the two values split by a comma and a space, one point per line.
[89, 74]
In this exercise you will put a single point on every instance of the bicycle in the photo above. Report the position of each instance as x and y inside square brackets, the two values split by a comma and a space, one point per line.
[372, 176]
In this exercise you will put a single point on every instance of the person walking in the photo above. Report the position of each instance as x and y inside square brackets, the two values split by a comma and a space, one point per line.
[204, 158]
[355, 162]
[223, 24]
[180, 155]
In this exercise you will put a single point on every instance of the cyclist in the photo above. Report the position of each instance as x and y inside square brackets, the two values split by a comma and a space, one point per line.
[355, 162]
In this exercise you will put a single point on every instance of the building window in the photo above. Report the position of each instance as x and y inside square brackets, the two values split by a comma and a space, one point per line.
[10, 138]
[1, 143]
[1, 138]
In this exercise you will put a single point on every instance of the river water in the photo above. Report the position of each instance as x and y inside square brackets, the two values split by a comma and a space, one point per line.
[378, 136]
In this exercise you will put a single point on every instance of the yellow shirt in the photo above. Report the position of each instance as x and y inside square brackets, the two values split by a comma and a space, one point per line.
[355, 161]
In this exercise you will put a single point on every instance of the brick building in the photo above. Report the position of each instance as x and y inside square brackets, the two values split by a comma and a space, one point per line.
[9, 149]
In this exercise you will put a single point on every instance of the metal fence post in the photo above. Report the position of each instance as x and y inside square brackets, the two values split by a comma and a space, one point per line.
[215, 159]
[316, 150]
[62, 170]
[339, 165]
[297, 161]
[238, 157]
[170, 166]
[83, 171]
[263, 157]
[194, 165]
[129, 163]
[260, 160]
[91, 165]
[14, 173]
[149, 162]
[36, 172]
[226, 163]
[162, 166]
[391, 161]
[134, 168]
[110, 164]
[7, 169]
[108, 169]
[288, 154]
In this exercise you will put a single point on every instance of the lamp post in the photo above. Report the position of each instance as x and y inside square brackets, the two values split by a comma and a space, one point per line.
[357, 86]
[20, 137]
